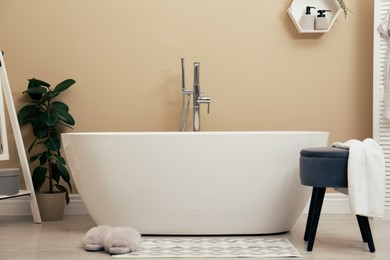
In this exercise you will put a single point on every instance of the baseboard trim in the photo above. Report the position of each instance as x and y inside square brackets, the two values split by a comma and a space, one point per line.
[338, 204]
[20, 206]
[334, 204]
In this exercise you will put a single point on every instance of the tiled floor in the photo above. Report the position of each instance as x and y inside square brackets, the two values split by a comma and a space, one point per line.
[338, 237]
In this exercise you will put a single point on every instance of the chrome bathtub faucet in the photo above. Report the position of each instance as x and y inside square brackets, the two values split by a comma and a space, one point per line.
[198, 99]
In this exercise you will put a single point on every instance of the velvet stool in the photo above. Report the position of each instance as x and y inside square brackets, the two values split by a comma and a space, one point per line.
[321, 168]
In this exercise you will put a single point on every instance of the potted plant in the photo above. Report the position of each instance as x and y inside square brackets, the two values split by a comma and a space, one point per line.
[344, 7]
[46, 117]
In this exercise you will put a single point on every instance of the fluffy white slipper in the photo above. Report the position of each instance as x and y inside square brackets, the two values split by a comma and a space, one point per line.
[121, 240]
[93, 240]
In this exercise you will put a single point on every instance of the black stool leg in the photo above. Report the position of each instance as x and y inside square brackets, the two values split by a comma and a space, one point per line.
[309, 216]
[365, 230]
[361, 228]
[315, 209]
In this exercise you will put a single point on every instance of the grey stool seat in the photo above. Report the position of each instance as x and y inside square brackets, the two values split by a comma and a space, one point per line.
[321, 168]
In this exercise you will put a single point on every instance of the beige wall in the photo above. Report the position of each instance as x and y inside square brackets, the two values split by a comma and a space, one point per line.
[260, 73]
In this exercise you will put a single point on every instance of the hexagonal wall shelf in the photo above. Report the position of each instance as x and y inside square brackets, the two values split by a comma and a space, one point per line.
[297, 9]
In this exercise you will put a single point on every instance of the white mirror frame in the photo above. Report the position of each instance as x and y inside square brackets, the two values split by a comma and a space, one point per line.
[4, 153]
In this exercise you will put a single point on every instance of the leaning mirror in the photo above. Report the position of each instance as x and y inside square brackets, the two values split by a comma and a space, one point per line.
[4, 155]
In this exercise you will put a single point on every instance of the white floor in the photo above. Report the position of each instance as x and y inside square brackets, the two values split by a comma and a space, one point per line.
[338, 237]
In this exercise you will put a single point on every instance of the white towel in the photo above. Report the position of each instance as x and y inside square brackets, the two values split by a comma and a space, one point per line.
[384, 31]
[366, 177]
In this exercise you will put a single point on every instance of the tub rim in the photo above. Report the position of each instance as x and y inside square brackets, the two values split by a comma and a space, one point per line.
[196, 133]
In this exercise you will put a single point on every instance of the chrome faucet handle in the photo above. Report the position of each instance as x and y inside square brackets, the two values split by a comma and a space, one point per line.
[187, 91]
[205, 100]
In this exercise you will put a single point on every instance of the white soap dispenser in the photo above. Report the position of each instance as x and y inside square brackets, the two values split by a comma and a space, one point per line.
[321, 22]
[307, 20]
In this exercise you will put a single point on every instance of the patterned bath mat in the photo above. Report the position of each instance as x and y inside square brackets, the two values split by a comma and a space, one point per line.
[213, 247]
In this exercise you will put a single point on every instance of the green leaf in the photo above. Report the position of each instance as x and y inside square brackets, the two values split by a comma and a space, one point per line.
[32, 145]
[45, 156]
[39, 177]
[70, 186]
[51, 95]
[344, 7]
[40, 129]
[45, 99]
[63, 171]
[65, 116]
[34, 157]
[53, 144]
[60, 105]
[53, 133]
[63, 189]
[64, 85]
[55, 173]
[60, 159]
[36, 83]
[26, 114]
[36, 90]
[49, 118]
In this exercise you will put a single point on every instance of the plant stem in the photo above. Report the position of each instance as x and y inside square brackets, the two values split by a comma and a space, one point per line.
[344, 7]
[49, 168]
[49, 151]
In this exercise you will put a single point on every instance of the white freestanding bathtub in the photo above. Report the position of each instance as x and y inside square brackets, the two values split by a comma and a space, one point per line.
[193, 182]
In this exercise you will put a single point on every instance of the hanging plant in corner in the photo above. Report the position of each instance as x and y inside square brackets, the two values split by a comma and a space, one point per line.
[344, 7]
[46, 116]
